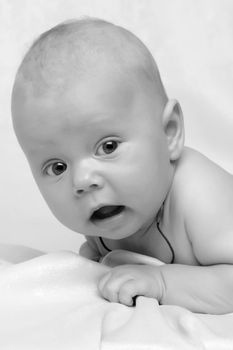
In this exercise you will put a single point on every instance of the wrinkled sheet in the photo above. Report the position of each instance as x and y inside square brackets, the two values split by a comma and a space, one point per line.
[52, 302]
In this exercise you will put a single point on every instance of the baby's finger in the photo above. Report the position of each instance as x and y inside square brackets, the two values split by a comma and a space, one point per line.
[103, 280]
[110, 285]
[104, 289]
[129, 290]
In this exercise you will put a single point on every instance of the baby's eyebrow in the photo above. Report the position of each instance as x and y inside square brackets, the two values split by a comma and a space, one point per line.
[35, 150]
[97, 121]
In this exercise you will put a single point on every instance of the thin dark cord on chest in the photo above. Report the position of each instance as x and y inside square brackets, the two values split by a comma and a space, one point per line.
[158, 220]
[104, 245]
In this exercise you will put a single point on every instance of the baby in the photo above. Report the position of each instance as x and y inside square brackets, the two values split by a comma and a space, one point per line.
[106, 148]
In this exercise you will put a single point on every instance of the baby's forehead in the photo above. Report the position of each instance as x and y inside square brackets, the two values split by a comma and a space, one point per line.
[80, 48]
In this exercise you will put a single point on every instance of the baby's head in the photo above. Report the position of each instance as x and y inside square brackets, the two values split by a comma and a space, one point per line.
[101, 137]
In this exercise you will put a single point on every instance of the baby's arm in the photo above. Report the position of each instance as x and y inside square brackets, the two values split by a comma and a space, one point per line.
[207, 192]
[203, 289]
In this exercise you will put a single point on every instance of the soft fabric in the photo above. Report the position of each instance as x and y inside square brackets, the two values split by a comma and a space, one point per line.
[52, 302]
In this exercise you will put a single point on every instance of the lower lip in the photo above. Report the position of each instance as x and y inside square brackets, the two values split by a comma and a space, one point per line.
[111, 221]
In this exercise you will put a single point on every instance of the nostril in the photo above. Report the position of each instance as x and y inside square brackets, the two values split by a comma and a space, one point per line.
[94, 186]
[79, 191]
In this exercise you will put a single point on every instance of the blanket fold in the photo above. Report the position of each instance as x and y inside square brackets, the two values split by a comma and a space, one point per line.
[52, 302]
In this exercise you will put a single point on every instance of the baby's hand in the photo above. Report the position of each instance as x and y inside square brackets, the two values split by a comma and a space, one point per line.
[125, 282]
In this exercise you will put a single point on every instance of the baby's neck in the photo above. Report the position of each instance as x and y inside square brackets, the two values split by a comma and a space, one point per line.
[148, 240]
[137, 241]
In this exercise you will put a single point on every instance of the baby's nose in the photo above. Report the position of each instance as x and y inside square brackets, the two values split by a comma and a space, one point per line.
[86, 180]
[86, 188]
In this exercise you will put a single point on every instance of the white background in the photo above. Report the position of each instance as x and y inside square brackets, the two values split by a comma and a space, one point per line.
[192, 42]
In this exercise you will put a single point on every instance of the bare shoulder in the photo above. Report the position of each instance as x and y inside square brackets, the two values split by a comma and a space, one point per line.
[197, 170]
[204, 193]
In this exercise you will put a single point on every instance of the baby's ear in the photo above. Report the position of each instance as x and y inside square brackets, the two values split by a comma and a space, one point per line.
[173, 125]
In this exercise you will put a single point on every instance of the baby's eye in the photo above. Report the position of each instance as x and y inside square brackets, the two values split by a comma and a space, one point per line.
[107, 147]
[55, 169]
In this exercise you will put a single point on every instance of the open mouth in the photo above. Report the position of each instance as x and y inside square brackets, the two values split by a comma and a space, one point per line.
[106, 212]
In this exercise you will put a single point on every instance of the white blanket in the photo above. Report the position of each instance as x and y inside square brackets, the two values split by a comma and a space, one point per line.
[52, 302]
